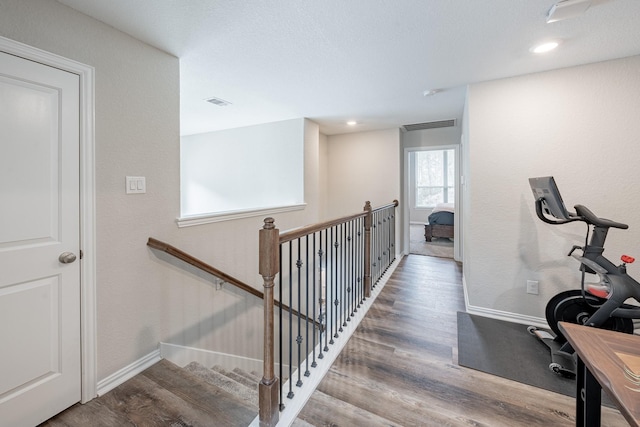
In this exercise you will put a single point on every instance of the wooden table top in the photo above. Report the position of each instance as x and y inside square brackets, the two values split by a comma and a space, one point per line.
[614, 360]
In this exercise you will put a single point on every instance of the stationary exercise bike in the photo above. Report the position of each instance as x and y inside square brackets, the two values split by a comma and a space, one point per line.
[600, 305]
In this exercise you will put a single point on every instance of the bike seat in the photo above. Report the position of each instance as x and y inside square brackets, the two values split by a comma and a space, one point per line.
[591, 218]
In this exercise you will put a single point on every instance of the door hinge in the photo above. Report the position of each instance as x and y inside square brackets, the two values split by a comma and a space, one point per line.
[81, 254]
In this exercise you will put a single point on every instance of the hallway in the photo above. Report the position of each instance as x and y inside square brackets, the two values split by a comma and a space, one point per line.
[400, 369]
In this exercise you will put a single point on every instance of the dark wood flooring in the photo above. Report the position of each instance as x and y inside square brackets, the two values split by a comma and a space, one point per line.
[399, 368]
[162, 395]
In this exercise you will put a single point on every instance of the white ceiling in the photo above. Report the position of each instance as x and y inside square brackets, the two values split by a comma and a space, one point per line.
[366, 60]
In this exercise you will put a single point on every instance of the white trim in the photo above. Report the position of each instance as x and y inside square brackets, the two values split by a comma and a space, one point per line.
[303, 393]
[509, 317]
[128, 372]
[182, 355]
[189, 221]
[502, 315]
[87, 202]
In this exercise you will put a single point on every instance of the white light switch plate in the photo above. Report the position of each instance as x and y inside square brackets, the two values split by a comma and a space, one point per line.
[136, 185]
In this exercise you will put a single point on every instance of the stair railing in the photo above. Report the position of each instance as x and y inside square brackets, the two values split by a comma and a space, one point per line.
[201, 265]
[325, 271]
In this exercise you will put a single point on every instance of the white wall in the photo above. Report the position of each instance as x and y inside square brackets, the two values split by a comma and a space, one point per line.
[578, 124]
[364, 166]
[323, 176]
[143, 299]
[245, 168]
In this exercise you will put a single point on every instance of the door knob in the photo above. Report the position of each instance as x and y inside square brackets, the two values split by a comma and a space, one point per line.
[67, 257]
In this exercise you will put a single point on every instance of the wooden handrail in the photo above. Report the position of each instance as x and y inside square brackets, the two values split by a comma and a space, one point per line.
[290, 235]
[296, 233]
[201, 265]
[394, 204]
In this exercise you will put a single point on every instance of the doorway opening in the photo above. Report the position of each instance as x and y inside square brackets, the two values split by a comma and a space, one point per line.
[431, 189]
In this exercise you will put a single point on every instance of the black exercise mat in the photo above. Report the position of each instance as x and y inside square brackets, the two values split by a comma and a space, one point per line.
[507, 350]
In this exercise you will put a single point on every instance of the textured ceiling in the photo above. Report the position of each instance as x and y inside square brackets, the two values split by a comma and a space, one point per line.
[365, 60]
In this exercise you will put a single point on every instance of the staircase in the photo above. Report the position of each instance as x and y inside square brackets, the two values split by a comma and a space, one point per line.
[167, 395]
[238, 383]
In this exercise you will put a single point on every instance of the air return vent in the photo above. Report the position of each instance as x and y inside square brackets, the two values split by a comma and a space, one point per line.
[430, 125]
[219, 102]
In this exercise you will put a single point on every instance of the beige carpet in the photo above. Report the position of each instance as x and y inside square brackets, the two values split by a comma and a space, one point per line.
[439, 247]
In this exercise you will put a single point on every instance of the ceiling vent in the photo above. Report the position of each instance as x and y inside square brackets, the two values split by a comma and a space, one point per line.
[430, 125]
[219, 102]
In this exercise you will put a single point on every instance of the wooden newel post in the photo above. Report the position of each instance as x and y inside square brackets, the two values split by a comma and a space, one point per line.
[368, 219]
[269, 265]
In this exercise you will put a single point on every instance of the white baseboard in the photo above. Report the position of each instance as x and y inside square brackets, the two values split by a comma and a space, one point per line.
[128, 372]
[502, 315]
[182, 356]
[509, 317]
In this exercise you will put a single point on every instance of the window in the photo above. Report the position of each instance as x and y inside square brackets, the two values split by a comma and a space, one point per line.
[435, 177]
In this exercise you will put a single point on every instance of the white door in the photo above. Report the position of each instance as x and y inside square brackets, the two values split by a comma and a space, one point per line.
[39, 224]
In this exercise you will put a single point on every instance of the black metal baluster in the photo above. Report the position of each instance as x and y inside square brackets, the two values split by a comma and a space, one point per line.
[389, 228]
[343, 291]
[306, 312]
[330, 302]
[360, 260]
[393, 233]
[380, 246]
[281, 385]
[349, 274]
[354, 271]
[290, 394]
[336, 292]
[326, 329]
[313, 253]
[385, 241]
[374, 249]
[385, 235]
[299, 307]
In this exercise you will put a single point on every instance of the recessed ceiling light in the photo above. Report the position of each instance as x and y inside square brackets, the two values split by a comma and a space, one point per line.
[545, 47]
[352, 123]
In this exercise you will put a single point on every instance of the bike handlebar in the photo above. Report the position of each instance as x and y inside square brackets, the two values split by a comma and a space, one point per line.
[542, 216]
[582, 214]
[590, 218]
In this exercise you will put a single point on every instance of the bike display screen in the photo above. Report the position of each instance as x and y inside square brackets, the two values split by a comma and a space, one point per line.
[545, 188]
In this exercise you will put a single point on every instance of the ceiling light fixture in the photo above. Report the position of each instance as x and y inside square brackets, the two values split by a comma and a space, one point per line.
[352, 123]
[545, 47]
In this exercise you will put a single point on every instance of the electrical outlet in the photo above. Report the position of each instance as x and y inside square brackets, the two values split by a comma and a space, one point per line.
[532, 287]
